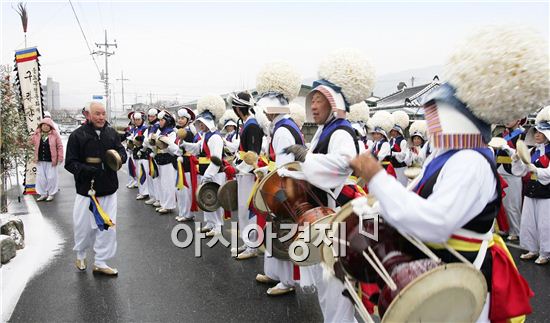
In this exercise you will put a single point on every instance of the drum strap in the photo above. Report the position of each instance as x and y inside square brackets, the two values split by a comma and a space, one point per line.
[469, 241]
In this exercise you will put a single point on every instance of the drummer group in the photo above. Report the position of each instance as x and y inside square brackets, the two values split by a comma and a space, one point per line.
[454, 191]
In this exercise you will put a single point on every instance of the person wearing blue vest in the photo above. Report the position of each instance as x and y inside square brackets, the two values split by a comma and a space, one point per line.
[147, 150]
[278, 83]
[457, 195]
[132, 178]
[359, 116]
[210, 109]
[229, 124]
[512, 201]
[381, 124]
[418, 143]
[139, 157]
[250, 139]
[398, 145]
[184, 193]
[164, 158]
[345, 78]
[535, 222]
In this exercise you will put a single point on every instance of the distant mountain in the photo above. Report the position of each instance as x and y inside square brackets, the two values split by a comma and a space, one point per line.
[387, 84]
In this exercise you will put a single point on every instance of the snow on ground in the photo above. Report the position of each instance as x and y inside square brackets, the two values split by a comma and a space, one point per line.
[42, 243]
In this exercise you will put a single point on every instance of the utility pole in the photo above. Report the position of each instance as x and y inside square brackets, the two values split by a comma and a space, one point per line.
[122, 79]
[106, 75]
[150, 98]
[412, 81]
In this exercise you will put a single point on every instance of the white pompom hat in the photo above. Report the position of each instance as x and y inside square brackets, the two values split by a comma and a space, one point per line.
[498, 75]
[210, 108]
[277, 84]
[381, 122]
[229, 118]
[400, 121]
[186, 112]
[418, 128]
[345, 78]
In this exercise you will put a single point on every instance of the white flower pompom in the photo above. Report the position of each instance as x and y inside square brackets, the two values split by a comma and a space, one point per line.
[543, 115]
[501, 73]
[297, 113]
[419, 126]
[370, 125]
[359, 112]
[382, 119]
[228, 115]
[213, 103]
[279, 77]
[350, 70]
[400, 118]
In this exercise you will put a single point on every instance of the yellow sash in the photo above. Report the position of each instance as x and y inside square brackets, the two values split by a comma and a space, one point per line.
[504, 160]
[204, 160]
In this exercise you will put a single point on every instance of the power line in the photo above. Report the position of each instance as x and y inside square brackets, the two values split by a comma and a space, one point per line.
[85, 39]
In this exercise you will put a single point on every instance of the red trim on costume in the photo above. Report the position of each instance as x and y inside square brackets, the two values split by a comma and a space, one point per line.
[390, 170]
[193, 173]
[350, 192]
[295, 272]
[502, 219]
[396, 148]
[510, 292]
[544, 161]
[271, 152]
[367, 291]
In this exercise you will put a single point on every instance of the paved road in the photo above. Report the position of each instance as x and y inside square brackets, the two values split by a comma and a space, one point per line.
[157, 281]
[160, 282]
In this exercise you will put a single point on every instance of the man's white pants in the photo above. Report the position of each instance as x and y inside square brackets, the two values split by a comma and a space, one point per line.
[245, 183]
[184, 198]
[86, 233]
[156, 185]
[142, 166]
[534, 233]
[281, 270]
[46, 178]
[335, 306]
[214, 220]
[512, 202]
[167, 186]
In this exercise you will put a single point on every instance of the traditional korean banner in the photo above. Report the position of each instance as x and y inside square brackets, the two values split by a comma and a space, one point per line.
[28, 77]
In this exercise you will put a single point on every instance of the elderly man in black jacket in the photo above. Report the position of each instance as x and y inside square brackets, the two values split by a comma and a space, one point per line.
[85, 159]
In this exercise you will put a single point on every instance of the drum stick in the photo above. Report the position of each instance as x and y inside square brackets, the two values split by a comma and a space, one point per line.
[422, 247]
[381, 271]
[358, 302]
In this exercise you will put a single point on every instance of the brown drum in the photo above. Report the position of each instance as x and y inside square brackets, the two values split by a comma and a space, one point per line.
[425, 289]
[286, 200]
[391, 248]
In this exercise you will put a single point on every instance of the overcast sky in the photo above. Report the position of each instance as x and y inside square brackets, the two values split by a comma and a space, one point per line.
[181, 51]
